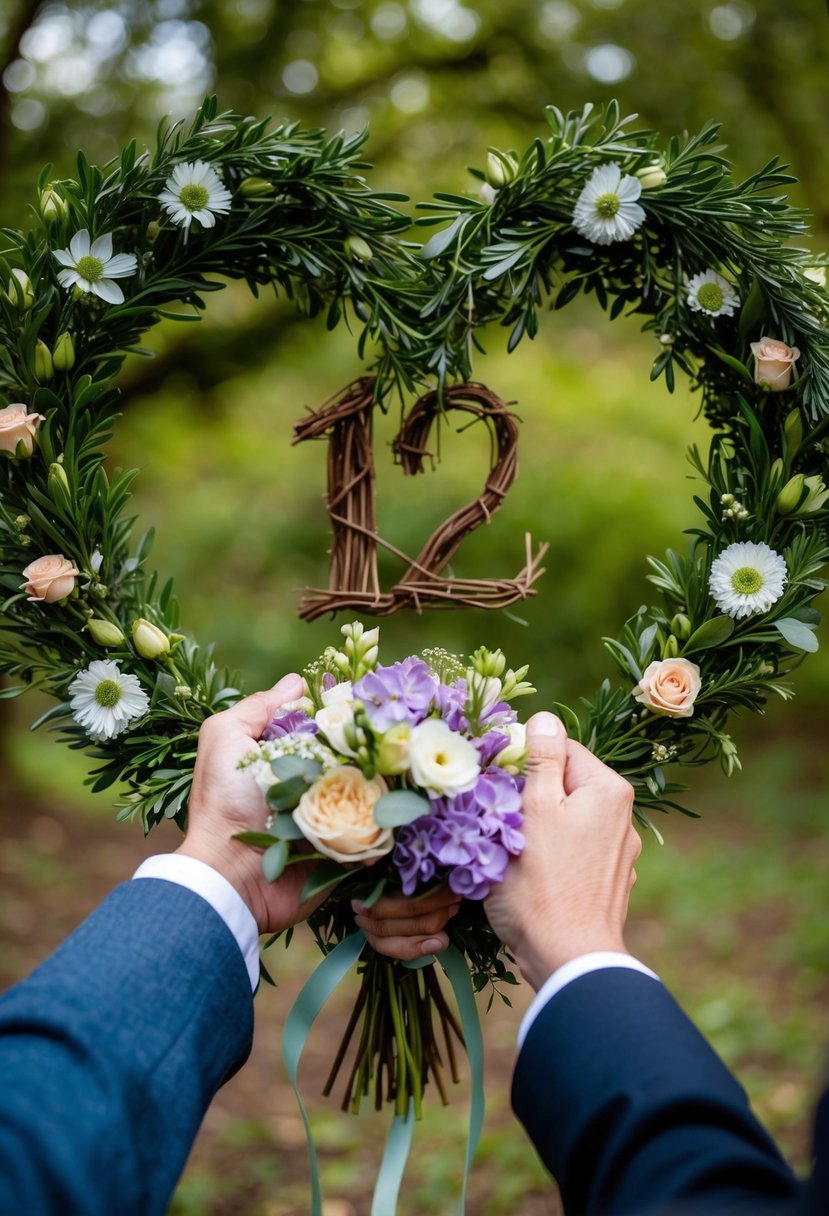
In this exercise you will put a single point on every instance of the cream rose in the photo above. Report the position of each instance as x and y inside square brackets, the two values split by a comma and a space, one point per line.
[669, 686]
[442, 761]
[773, 363]
[337, 815]
[50, 578]
[17, 426]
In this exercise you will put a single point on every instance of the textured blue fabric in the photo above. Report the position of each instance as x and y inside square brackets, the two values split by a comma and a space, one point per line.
[633, 1112]
[111, 1052]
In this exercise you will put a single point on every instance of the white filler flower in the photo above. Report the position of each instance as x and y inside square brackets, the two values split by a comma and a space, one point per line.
[747, 578]
[194, 192]
[105, 700]
[710, 292]
[91, 266]
[607, 210]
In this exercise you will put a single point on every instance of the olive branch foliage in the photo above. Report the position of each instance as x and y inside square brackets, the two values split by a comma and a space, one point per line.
[305, 223]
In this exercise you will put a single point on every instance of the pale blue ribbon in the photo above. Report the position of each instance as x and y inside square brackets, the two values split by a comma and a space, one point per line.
[308, 1004]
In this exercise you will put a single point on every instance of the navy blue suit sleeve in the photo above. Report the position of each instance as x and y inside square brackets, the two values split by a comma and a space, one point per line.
[111, 1052]
[632, 1111]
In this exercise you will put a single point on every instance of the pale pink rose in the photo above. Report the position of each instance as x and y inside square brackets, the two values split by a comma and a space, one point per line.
[773, 363]
[16, 425]
[337, 815]
[669, 686]
[50, 578]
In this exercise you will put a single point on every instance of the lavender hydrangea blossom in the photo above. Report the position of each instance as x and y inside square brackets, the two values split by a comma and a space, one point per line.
[403, 692]
[295, 722]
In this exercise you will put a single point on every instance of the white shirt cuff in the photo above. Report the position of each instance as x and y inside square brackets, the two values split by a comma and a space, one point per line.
[573, 969]
[222, 896]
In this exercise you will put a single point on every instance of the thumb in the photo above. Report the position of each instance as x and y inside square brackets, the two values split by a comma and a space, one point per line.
[254, 713]
[546, 756]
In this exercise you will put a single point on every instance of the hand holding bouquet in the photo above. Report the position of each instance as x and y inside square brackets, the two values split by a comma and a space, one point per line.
[406, 778]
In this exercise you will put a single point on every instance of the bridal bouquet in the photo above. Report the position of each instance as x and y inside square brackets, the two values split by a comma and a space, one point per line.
[398, 778]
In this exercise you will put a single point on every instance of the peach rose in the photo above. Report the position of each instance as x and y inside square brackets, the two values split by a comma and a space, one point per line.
[50, 578]
[669, 686]
[773, 363]
[337, 815]
[17, 426]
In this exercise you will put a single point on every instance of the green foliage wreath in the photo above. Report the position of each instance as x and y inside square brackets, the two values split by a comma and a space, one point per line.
[654, 228]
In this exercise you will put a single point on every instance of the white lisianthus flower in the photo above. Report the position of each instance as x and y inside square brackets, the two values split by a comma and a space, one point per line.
[709, 292]
[607, 210]
[338, 694]
[334, 721]
[747, 578]
[195, 192]
[91, 267]
[441, 760]
[104, 700]
[514, 754]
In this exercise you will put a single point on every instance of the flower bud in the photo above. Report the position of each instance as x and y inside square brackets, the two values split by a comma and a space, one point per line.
[44, 367]
[21, 522]
[652, 176]
[52, 205]
[666, 339]
[777, 470]
[20, 290]
[774, 363]
[153, 229]
[393, 752]
[671, 648]
[816, 497]
[105, 633]
[793, 429]
[256, 187]
[681, 626]
[58, 483]
[788, 499]
[63, 355]
[817, 274]
[150, 641]
[500, 169]
[358, 249]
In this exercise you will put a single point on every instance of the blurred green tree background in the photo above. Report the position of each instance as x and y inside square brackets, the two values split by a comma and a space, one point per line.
[239, 512]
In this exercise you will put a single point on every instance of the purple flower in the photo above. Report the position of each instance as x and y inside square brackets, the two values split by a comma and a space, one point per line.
[455, 839]
[474, 881]
[489, 745]
[403, 692]
[450, 701]
[295, 722]
[414, 854]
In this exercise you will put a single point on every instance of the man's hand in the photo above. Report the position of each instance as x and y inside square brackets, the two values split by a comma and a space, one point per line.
[226, 800]
[567, 894]
[405, 928]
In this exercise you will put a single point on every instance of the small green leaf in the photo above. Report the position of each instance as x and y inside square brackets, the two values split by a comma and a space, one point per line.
[735, 364]
[273, 860]
[398, 807]
[710, 633]
[326, 874]
[259, 840]
[285, 827]
[797, 634]
[286, 767]
[285, 795]
[570, 719]
[368, 901]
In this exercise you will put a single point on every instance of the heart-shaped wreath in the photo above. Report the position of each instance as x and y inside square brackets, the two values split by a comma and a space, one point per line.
[654, 228]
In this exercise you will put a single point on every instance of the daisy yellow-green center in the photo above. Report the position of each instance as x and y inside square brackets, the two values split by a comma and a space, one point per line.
[193, 197]
[746, 580]
[108, 693]
[607, 205]
[710, 297]
[90, 268]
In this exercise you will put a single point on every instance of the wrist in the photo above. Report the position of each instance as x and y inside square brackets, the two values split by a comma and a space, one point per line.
[237, 863]
[537, 961]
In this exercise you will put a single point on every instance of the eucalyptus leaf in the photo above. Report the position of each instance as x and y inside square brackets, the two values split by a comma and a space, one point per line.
[326, 874]
[399, 807]
[797, 634]
[286, 767]
[259, 840]
[710, 633]
[274, 859]
[285, 795]
[285, 827]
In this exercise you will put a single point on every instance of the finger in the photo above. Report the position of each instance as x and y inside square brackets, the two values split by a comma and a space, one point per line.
[583, 769]
[398, 906]
[546, 754]
[253, 714]
[408, 948]
[413, 926]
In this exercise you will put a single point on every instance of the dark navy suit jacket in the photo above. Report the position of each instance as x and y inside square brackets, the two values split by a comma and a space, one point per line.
[111, 1052]
[633, 1112]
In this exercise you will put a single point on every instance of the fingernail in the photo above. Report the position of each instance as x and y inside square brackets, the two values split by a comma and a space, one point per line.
[356, 907]
[543, 723]
[288, 683]
[432, 945]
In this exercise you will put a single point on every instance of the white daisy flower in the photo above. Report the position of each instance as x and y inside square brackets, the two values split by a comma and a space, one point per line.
[104, 700]
[607, 210]
[195, 192]
[91, 266]
[747, 578]
[710, 292]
